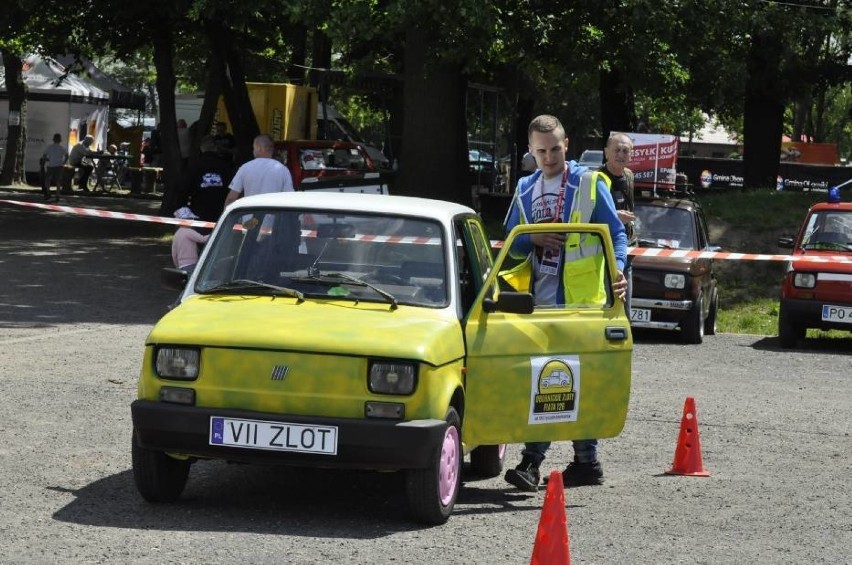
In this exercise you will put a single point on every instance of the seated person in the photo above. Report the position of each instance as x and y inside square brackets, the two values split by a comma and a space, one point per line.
[80, 158]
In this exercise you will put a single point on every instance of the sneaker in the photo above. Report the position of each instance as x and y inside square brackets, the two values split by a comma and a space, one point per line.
[525, 476]
[582, 474]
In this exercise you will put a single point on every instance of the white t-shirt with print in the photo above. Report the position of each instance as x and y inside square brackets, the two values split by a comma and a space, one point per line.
[545, 197]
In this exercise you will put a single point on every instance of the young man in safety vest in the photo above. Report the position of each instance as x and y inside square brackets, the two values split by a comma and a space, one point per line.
[549, 195]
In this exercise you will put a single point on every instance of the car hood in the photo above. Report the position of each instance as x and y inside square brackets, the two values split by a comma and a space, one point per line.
[339, 327]
[827, 265]
[684, 264]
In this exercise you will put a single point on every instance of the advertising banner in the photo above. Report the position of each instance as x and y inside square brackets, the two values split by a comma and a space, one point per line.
[654, 160]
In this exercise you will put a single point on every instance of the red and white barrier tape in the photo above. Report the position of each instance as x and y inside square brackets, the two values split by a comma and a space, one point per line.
[635, 251]
[94, 212]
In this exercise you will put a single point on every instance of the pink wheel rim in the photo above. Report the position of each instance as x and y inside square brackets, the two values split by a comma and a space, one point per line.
[449, 467]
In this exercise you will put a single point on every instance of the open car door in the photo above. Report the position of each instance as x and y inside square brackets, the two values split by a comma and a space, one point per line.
[546, 373]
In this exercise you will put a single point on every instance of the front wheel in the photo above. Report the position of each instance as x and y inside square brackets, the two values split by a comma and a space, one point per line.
[710, 322]
[487, 460]
[789, 333]
[158, 477]
[692, 328]
[432, 491]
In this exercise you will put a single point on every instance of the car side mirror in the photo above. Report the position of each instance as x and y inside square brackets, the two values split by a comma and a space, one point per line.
[786, 242]
[174, 279]
[511, 302]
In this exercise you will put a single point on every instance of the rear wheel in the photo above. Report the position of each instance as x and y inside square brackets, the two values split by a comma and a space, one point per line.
[789, 333]
[710, 322]
[432, 491]
[692, 328]
[487, 460]
[158, 477]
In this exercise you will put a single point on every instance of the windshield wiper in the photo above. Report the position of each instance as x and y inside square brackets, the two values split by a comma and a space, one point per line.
[240, 284]
[349, 279]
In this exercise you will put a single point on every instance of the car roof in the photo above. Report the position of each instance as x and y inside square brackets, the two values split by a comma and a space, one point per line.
[683, 203]
[832, 206]
[322, 143]
[356, 202]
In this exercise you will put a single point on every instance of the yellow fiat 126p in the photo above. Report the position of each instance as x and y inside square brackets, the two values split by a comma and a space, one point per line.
[371, 332]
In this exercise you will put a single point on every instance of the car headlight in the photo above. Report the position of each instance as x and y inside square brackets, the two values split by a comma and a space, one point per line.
[804, 280]
[392, 377]
[674, 281]
[177, 362]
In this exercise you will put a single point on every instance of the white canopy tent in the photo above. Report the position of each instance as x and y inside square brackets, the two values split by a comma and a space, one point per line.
[57, 102]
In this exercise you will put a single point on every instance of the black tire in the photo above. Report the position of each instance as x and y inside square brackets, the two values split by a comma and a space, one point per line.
[692, 328]
[92, 182]
[789, 333]
[487, 460]
[710, 321]
[432, 492]
[158, 477]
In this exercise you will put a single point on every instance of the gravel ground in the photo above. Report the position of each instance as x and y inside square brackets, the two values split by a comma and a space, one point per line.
[80, 294]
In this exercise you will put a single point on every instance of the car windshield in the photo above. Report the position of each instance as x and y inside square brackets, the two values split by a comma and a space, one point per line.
[661, 226]
[313, 254]
[331, 158]
[828, 230]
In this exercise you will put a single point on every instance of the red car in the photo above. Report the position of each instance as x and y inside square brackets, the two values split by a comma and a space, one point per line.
[312, 161]
[818, 294]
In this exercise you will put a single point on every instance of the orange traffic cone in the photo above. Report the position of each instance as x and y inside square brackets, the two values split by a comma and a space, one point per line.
[551, 541]
[687, 459]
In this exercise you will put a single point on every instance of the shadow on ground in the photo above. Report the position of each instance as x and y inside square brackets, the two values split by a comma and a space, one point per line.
[62, 268]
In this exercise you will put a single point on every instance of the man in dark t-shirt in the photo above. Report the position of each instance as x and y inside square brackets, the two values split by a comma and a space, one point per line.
[207, 184]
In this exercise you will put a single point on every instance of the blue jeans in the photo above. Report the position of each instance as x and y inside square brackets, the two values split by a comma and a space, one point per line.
[585, 450]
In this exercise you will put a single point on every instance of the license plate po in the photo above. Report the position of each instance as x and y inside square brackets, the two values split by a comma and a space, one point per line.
[842, 314]
[275, 436]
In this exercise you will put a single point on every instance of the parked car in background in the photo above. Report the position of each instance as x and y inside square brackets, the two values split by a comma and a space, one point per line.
[674, 293]
[339, 166]
[483, 168]
[331, 125]
[818, 294]
[591, 158]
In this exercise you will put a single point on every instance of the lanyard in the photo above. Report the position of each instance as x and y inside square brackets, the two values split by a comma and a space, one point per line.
[560, 197]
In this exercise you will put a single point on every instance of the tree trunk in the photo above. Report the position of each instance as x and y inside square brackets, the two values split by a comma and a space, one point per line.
[13, 168]
[763, 113]
[164, 64]
[234, 91]
[618, 112]
[435, 162]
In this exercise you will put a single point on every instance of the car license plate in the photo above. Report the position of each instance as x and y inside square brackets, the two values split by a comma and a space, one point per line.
[277, 436]
[842, 314]
[640, 315]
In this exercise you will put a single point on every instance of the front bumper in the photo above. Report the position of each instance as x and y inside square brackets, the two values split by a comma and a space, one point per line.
[362, 444]
[665, 314]
[808, 313]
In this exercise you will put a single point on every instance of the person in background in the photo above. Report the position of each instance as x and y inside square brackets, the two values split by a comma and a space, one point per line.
[547, 195]
[206, 185]
[53, 159]
[225, 142]
[80, 157]
[617, 153]
[261, 175]
[185, 244]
